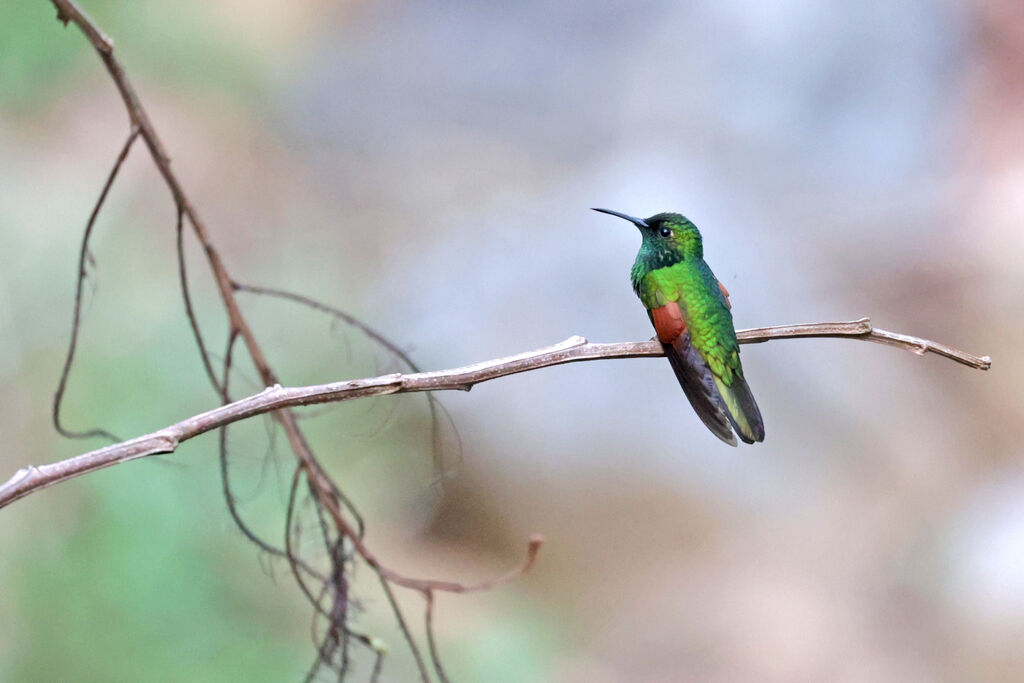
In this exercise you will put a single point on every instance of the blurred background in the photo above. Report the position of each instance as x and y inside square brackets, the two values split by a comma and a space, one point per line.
[429, 166]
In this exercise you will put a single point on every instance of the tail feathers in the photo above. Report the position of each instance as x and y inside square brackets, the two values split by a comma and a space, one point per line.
[698, 383]
[742, 409]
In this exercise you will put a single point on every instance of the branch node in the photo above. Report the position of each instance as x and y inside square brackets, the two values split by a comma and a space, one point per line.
[167, 441]
[378, 646]
[21, 475]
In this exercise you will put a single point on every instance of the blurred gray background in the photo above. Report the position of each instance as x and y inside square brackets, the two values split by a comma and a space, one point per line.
[429, 166]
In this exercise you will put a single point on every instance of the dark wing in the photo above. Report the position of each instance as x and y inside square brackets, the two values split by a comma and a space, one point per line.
[698, 384]
[693, 373]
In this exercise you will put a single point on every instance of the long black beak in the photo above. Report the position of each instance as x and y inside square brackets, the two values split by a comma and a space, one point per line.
[639, 222]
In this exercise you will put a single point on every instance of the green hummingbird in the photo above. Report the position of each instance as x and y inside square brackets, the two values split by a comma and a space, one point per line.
[691, 313]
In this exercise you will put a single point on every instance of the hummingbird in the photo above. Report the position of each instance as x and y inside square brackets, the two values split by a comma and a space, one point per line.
[692, 317]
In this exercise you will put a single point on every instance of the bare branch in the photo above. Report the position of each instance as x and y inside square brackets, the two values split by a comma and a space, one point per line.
[76, 318]
[68, 11]
[190, 312]
[572, 350]
[406, 633]
[436, 408]
[862, 329]
[323, 490]
[435, 655]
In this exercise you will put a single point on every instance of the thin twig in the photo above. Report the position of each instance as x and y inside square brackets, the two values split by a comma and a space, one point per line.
[76, 318]
[436, 407]
[574, 349]
[862, 329]
[290, 553]
[406, 633]
[295, 563]
[190, 311]
[323, 490]
[68, 11]
[435, 655]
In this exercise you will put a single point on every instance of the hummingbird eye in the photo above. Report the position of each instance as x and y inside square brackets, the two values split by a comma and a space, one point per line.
[665, 232]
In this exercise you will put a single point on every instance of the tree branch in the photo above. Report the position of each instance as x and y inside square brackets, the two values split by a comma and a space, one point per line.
[322, 489]
[572, 350]
[76, 318]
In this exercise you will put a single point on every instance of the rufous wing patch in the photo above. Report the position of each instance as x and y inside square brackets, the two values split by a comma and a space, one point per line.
[668, 322]
[725, 293]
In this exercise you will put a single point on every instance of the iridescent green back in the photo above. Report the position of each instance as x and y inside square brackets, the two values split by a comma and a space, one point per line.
[708, 319]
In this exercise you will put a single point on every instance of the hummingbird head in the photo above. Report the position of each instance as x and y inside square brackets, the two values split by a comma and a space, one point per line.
[668, 238]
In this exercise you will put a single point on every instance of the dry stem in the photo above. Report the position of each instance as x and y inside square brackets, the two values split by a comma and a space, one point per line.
[574, 349]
